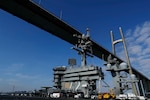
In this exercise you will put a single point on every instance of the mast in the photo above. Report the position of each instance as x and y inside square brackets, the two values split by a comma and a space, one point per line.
[134, 89]
[84, 46]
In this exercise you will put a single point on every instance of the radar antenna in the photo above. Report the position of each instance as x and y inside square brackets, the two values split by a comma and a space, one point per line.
[84, 46]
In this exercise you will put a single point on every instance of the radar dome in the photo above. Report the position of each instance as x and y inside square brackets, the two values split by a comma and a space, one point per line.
[123, 65]
[133, 77]
[108, 66]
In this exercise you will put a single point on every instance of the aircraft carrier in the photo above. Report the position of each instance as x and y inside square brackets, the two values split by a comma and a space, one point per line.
[80, 82]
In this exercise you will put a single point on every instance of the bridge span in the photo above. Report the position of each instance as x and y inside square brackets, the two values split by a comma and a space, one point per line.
[34, 14]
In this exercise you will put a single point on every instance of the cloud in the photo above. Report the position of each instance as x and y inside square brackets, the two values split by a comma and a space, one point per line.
[13, 67]
[11, 81]
[25, 76]
[23, 81]
[138, 45]
[16, 75]
[1, 79]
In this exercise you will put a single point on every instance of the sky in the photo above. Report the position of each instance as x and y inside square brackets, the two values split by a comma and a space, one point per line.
[28, 54]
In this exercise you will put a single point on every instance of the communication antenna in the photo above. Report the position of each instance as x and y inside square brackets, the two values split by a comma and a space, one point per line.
[39, 2]
[13, 88]
[71, 62]
[84, 46]
[60, 17]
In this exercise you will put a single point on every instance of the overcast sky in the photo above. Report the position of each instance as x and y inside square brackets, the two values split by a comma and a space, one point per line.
[28, 54]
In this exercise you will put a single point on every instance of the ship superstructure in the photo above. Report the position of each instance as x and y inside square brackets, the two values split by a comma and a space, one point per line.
[79, 79]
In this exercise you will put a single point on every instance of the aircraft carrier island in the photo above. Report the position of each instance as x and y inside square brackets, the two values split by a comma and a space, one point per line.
[79, 80]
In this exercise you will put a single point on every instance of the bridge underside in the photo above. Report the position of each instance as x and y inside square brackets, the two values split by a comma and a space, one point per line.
[34, 14]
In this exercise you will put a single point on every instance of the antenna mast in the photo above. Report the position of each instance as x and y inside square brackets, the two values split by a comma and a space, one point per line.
[84, 46]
